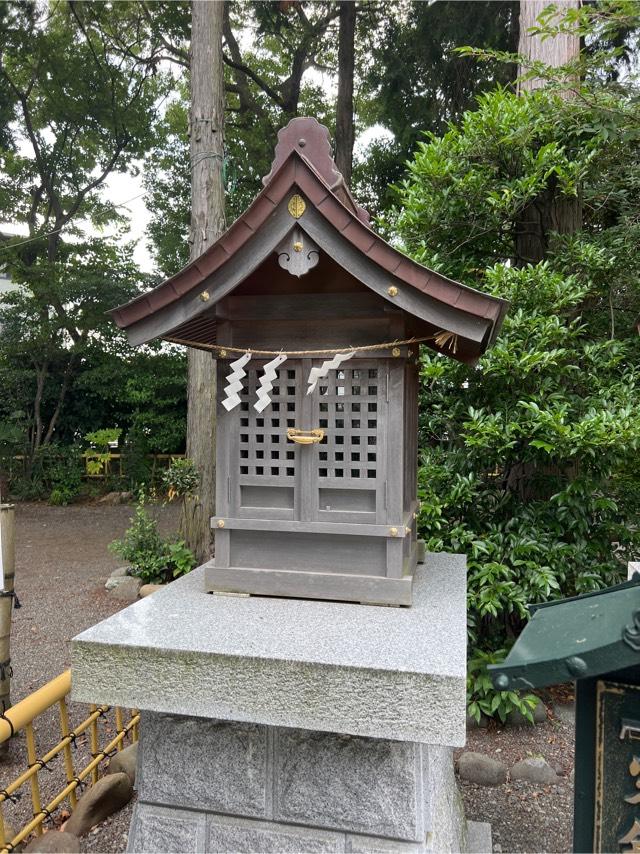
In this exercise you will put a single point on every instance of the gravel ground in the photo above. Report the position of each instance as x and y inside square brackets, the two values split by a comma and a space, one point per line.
[62, 563]
[524, 816]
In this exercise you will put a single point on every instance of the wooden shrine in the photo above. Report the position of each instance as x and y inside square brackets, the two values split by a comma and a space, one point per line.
[593, 639]
[316, 323]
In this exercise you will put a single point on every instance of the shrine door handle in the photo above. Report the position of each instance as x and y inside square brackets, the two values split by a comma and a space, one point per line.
[305, 437]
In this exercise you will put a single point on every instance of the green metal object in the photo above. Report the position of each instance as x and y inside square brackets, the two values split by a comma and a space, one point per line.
[595, 640]
[575, 638]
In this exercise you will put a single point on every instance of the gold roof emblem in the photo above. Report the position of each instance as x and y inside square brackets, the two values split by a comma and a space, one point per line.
[296, 206]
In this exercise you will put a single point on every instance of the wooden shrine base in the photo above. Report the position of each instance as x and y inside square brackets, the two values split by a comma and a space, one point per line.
[366, 589]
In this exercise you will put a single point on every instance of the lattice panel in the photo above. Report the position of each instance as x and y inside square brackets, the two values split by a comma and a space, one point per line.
[348, 409]
[264, 448]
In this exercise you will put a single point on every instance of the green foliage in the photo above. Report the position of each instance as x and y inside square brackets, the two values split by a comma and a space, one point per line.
[136, 465]
[55, 474]
[98, 457]
[529, 460]
[153, 558]
[77, 114]
[181, 479]
[413, 80]
[483, 699]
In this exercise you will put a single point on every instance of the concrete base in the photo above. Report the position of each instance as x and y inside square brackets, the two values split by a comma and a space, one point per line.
[290, 725]
[213, 786]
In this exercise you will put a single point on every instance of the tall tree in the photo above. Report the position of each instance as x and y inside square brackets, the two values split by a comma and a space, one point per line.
[345, 132]
[207, 223]
[536, 47]
[413, 81]
[552, 212]
[78, 114]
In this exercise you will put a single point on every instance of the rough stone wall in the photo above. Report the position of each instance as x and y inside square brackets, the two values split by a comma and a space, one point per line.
[208, 785]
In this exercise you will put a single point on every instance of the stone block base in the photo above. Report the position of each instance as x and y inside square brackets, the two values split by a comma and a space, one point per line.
[219, 786]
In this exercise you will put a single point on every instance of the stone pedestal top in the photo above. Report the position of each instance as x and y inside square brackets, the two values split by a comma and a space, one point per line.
[396, 673]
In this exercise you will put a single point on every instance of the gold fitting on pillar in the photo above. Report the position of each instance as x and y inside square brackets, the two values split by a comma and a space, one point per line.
[222, 354]
[297, 246]
[392, 291]
[220, 523]
[407, 530]
[393, 532]
[396, 351]
[204, 296]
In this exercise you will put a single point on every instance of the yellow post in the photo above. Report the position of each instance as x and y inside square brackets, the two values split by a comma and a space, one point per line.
[26, 710]
[68, 756]
[119, 725]
[94, 744]
[32, 758]
[3, 837]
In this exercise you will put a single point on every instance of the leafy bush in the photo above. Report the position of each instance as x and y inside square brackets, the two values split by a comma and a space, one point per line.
[483, 699]
[181, 479]
[137, 470]
[529, 460]
[60, 497]
[152, 558]
[99, 455]
[55, 469]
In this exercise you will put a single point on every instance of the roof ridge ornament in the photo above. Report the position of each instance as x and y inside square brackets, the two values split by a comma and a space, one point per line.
[308, 137]
[311, 140]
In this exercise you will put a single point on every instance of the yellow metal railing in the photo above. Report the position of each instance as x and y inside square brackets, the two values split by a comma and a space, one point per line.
[21, 717]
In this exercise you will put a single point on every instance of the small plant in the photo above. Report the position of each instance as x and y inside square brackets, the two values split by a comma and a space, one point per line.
[100, 454]
[181, 558]
[153, 558]
[181, 479]
[60, 497]
[484, 699]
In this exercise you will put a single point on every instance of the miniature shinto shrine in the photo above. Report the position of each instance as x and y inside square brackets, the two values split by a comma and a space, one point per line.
[316, 324]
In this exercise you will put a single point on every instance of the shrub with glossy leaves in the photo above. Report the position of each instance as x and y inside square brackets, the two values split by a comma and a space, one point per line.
[529, 461]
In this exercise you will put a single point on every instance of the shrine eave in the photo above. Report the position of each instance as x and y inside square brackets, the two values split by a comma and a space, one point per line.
[340, 229]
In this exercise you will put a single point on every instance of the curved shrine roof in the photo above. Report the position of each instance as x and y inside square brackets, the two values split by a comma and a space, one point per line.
[303, 165]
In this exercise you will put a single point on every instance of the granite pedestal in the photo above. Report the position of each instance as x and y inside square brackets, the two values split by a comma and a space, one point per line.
[289, 725]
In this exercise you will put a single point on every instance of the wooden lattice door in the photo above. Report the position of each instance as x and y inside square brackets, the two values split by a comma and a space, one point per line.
[340, 479]
[349, 464]
[264, 472]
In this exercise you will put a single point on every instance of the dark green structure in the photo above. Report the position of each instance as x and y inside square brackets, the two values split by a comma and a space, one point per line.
[595, 640]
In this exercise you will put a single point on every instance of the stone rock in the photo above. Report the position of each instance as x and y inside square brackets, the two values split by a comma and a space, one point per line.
[105, 797]
[120, 572]
[114, 498]
[565, 712]
[516, 718]
[55, 842]
[148, 589]
[534, 770]
[124, 588]
[472, 723]
[481, 769]
[125, 761]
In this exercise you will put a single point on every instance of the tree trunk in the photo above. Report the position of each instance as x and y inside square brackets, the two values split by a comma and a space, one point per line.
[344, 108]
[551, 213]
[553, 52]
[207, 223]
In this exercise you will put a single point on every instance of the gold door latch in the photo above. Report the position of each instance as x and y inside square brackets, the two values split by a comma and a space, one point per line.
[305, 437]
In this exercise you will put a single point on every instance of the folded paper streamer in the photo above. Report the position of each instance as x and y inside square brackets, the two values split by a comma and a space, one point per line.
[266, 382]
[317, 373]
[234, 384]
